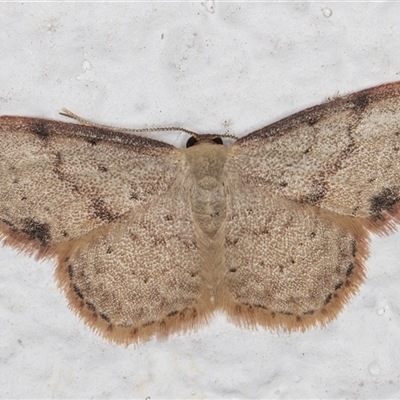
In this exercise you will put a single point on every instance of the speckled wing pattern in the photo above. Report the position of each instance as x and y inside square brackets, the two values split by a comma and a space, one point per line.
[150, 239]
[315, 184]
[102, 203]
[342, 156]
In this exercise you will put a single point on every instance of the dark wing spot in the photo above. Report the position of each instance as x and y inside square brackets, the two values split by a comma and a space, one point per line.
[92, 141]
[338, 285]
[316, 194]
[172, 313]
[70, 271]
[77, 291]
[101, 211]
[134, 196]
[5, 221]
[102, 168]
[148, 323]
[312, 119]
[309, 312]
[230, 242]
[349, 269]
[383, 201]
[91, 306]
[190, 244]
[361, 102]
[328, 299]
[124, 325]
[37, 230]
[105, 317]
[39, 129]
[57, 167]
[353, 248]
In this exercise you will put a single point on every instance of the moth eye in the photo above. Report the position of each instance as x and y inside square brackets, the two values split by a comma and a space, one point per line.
[218, 140]
[191, 142]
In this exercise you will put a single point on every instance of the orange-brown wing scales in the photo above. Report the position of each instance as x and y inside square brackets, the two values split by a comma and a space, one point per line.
[141, 276]
[287, 265]
[342, 156]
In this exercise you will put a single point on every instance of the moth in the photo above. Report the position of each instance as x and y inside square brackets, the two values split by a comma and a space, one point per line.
[150, 239]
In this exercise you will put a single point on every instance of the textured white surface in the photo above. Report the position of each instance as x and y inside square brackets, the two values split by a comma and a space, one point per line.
[211, 68]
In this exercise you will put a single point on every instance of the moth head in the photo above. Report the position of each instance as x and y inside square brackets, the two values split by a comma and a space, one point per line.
[193, 140]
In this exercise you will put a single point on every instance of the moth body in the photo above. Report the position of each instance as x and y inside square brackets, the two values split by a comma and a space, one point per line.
[207, 193]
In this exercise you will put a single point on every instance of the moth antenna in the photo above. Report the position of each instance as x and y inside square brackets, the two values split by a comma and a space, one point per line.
[67, 113]
[228, 135]
[70, 114]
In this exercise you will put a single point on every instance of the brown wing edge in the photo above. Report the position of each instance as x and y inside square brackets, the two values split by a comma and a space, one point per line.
[45, 129]
[186, 320]
[33, 244]
[253, 317]
[358, 101]
[190, 319]
[385, 222]
[37, 243]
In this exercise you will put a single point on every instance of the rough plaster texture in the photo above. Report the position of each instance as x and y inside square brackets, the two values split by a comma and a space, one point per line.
[211, 67]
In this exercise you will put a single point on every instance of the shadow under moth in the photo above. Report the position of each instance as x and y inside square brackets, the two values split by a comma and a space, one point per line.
[150, 239]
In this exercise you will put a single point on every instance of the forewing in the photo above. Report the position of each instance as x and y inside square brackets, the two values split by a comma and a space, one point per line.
[287, 265]
[59, 181]
[139, 276]
[342, 156]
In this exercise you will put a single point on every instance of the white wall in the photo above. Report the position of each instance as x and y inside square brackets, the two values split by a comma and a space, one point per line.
[210, 68]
